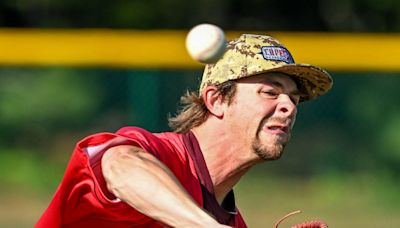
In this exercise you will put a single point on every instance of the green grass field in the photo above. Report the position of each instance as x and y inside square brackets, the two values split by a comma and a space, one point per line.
[341, 201]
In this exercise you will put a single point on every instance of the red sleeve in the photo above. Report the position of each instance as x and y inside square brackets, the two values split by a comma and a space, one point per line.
[169, 149]
[96, 145]
[172, 154]
[82, 199]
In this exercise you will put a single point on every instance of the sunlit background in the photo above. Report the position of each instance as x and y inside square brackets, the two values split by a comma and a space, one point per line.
[342, 165]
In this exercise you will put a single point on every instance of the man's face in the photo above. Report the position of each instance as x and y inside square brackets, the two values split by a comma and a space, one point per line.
[263, 113]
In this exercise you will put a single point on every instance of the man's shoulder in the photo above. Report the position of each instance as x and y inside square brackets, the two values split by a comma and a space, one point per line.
[170, 141]
[163, 137]
[133, 130]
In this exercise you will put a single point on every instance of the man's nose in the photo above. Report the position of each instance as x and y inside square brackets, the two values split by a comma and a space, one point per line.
[286, 106]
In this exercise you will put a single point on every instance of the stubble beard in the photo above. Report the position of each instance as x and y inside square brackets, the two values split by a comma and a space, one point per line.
[268, 152]
[270, 149]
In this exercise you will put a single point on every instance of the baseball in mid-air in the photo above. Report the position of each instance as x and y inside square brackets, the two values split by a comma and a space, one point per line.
[206, 43]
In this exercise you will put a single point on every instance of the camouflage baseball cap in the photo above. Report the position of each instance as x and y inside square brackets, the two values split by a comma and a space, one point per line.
[256, 54]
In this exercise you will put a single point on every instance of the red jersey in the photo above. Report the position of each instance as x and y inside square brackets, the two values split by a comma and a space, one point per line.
[82, 199]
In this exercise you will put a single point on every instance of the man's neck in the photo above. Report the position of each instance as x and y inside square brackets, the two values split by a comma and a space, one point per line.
[226, 160]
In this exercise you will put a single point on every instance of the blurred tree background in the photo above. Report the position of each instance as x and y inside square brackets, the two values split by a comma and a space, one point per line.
[343, 162]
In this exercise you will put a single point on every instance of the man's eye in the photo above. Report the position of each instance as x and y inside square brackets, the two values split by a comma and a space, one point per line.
[270, 93]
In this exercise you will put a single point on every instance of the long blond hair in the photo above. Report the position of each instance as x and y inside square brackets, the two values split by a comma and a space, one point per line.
[194, 112]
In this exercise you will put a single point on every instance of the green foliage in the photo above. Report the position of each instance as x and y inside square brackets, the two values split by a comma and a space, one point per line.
[389, 138]
[375, 104]
[27, 170]
[45, 96]
[353, 128]
[34, 103]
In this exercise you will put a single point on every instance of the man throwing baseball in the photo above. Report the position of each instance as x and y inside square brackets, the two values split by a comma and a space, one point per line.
[242, 116]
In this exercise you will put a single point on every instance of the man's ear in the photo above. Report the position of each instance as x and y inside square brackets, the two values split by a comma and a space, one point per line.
[213, 101]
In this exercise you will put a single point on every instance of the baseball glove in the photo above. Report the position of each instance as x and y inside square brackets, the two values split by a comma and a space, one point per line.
[310, 224]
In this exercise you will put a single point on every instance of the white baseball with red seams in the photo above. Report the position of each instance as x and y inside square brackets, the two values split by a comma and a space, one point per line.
[206, 43]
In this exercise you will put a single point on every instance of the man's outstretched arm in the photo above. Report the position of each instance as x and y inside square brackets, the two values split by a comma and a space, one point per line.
[141, 180]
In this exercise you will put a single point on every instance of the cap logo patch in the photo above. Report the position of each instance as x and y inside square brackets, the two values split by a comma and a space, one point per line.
[277, 54]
